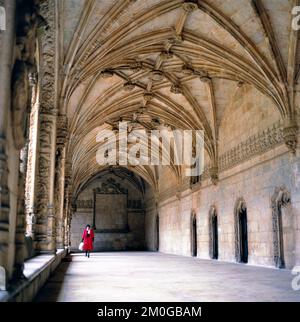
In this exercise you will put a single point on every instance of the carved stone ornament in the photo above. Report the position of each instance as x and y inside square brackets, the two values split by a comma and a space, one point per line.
[214, 174]
[281, 198]
[165, 55]
[187, 70]
[189, 6]
[26, 29]
[290, 136]
[157, 75]
[20, 103]
[176, 89]
[148, 96]
[106, 74]
[110, 187]
[128, 86]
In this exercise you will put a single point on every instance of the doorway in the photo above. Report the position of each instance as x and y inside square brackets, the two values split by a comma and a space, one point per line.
[214, 230]
[194, 236]
[243, 232]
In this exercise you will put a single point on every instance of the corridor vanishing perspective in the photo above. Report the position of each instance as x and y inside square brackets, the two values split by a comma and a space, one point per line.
[171, 128]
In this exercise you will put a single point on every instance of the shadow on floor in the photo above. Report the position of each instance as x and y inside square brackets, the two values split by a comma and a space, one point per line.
[54, 283]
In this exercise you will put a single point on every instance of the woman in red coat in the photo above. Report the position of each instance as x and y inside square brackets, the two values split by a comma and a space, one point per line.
[88, 239]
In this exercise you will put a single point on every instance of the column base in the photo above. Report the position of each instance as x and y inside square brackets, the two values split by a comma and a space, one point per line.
[3, 279]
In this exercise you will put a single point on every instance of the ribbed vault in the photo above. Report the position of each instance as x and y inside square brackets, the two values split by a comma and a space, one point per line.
[173, 63]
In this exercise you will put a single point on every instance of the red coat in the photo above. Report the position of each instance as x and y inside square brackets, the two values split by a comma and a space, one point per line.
[88, 239]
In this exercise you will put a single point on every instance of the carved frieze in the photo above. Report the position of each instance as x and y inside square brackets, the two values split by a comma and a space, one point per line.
[110, 187]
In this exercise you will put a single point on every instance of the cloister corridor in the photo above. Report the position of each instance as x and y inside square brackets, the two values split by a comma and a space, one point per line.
[150, 276]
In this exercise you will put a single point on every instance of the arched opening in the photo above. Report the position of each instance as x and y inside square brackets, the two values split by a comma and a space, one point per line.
[194, 235]
[213, 234]
[282, 222]
[215, 237]
[157, 232]
[241, 232]
[112, 202]
[243, 236]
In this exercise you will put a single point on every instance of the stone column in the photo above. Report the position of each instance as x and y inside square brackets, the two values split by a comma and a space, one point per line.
[59, 197]
[45, 230]
[31, 158]
[67, 203]
[62, 132]
[20, 222]
[7, 39]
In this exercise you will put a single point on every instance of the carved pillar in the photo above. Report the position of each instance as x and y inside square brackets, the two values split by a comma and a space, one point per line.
[59, 191]
[67, 203]
[290, 131]
[20, 221]
[45, 230]
[62, 131]
[6, 54]
[32, 157]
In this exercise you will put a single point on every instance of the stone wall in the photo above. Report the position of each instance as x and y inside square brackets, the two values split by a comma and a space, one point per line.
[129, 234]
[256, 181]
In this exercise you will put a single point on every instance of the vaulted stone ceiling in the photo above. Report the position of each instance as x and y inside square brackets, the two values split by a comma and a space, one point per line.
[183, 61]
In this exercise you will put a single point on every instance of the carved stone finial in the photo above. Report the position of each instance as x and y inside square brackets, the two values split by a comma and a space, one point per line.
[289, 132]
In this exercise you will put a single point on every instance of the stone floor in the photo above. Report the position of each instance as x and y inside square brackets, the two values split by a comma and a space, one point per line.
[146, 276]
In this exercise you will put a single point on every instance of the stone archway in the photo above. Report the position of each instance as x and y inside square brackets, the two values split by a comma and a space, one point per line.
[280, 199]
[194, 234]
[213, 233]
[241, 231]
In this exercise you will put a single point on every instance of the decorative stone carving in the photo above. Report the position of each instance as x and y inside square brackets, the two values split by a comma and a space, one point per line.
[214, 174]
[176, 89]
[148, 96]
[165, 55]
[189, 6]
[45, 218]
[157, 75]
[187, 70]
[136, 66]
[128, 86]
[26, 29]
[240, 206]
[205, 79]
[84, 203]
[281, 198]
[254, 145]
[110, 187]
[289, 133]
[106, 74]
[62, 131]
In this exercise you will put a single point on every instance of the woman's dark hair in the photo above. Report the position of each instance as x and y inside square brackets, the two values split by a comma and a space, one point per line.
[88, 226]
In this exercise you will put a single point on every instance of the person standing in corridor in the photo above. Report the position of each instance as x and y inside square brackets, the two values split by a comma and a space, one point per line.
[88, 240]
